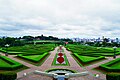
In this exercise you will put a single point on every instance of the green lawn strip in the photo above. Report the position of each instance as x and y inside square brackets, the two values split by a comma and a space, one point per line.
[4, 63]
[112, 66]
[9, 64]
[99, 54]
[15, 53]
[34, 58]
[42, 60]
[38, 63]
[55, 59]
[86, 59]
[1, 50]
[77, 60]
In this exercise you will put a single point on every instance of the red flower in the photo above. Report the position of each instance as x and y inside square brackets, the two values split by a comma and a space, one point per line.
[60, 54]
[60, 59]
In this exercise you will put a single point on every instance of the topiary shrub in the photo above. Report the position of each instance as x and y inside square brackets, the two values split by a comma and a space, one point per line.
[8, 75]
[112, 76]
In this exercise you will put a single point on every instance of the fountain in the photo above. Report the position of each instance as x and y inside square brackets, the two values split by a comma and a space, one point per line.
[61, 74]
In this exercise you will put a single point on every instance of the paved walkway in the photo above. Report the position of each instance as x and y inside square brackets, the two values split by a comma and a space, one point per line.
[48, 63]
[73, 66]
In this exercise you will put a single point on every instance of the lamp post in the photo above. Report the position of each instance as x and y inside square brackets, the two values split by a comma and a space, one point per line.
[7, 45]
[114, 56]
[34, 43]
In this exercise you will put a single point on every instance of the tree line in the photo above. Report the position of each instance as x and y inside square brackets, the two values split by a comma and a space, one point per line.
[20, 41]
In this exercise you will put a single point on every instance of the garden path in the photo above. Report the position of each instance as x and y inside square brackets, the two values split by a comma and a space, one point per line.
[73, 66]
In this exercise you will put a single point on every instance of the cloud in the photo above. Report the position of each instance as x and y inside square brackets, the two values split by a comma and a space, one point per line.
[66, 18]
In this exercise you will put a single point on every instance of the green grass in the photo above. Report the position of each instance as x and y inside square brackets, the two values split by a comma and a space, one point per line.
[4, 63]
[87, 55]
[112, 66]
[117, 65]
[87, 59]
[9, 64]
[92, 51]
[29, 49]
[37, 63]
[81, 65]
[55, 59]
[34, 54]
[34, 58]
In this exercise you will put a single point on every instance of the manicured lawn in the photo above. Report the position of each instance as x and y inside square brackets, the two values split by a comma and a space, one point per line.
[9, 64]
[112, 66]
[30, 49]
[35, 54]
[91, 51]
[4, 63]
[89, 54]
[87, 59]
[34, 58]
[117, 65]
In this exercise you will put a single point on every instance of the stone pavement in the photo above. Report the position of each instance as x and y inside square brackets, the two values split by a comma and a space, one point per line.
[48, 65]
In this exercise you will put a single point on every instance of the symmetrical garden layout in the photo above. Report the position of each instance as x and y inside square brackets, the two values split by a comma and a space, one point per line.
[86, 57]
[60, 58]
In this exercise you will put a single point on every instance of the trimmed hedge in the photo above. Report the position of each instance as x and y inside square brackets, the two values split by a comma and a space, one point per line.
[8, 75]
[36, 59]
[112, 76]
[91, 51]
[14, 53]
[108, 66]
[87, 59]
[1, 50]
[31, 49]
[14, 64]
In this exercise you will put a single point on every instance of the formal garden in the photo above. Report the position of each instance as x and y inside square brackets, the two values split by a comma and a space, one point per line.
[89, 55]
[37, 55]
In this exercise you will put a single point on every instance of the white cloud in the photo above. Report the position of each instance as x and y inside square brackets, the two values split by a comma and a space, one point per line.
[68, 18]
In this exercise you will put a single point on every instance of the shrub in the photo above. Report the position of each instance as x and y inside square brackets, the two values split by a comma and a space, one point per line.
[33, 59]
[4, 51]
[8, 75]
[112, 76]
[14, 64]
[87, 59]
[109, 66]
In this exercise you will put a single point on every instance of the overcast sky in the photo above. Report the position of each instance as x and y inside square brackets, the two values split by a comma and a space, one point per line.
[61, 18]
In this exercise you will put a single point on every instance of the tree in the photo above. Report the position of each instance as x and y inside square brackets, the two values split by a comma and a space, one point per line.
[28, 38]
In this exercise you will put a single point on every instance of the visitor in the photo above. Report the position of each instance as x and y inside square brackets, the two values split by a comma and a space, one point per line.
[6, 54]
